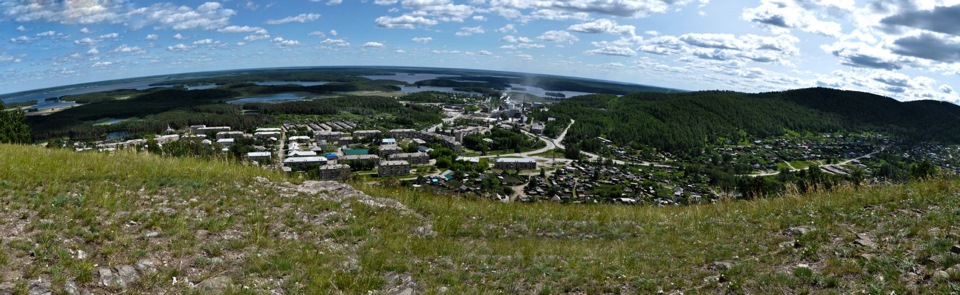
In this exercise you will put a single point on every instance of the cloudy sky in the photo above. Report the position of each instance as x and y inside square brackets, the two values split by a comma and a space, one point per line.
[906, 49]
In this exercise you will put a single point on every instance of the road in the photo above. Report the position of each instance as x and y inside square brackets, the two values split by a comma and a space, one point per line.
[792, 169]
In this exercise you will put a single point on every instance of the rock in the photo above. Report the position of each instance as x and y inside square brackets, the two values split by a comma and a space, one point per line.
[71, 288]
[955, 249]
[798, 230]
[152, 234]
[39, 287]
[865, 240]
[867, 257]
[216, 285]
[127, 275]
[940, 275]
[407, 291]
[721, 265]
[711, 279]
[106, 276]
[147, 266]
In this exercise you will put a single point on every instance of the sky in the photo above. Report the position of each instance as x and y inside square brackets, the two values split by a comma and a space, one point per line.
[905, 49]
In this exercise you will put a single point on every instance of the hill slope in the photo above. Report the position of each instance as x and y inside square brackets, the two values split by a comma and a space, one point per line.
[77, 221]
[690, 120]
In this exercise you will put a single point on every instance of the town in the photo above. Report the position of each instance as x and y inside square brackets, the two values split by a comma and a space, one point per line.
[491, 147]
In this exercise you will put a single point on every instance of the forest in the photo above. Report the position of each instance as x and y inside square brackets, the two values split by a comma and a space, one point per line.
[690, 121]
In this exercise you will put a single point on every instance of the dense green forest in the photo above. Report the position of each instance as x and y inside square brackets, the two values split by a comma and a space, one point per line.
[924, 120]
[678, 121]
[689, 121]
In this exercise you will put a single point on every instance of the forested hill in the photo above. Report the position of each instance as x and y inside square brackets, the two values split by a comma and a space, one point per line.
[691, 120]
[922, 120]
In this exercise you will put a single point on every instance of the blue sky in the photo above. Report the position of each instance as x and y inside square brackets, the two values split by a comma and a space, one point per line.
[906, 49]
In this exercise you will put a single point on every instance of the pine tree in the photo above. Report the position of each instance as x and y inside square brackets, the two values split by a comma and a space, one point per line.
[13, 129]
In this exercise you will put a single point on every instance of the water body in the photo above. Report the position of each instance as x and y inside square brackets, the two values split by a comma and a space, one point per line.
[415, 89]
[274, 98]
[409, 78]
[543, 92]
[75, 90]
[201, 87]
[43, 105]
[281, 83]
[110, 121]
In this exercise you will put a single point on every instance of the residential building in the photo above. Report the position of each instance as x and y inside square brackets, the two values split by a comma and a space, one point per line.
[403, 133]
[229, 134]
[267, 134]
[515, 164]
[387, 150]
[329, 136]
[334, 171]
[366, 133]
[393, 168]
[412, 158]
[304, 163]
[260, 157]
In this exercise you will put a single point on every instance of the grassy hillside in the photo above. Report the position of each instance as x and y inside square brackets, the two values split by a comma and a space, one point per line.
[181, 226]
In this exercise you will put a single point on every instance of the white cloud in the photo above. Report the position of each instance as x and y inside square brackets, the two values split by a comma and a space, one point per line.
[179, 37]
[781, 15]
[333, 32]
[621, 8]
[605, 48]
[301, 18]
[128, 49]
[102, 64]
[558, 37]
[507, 29]
[335, 42]
[203, 42]
[93, 51]
[468, 31]
[152, 37]
[484, 52]
[334, 2]
[318, 34]
[243, 29]
[21, 40]
[603, 26]
[280, 41]
[404, 22]
[207, 16]
[85, 41]
[109, 36]
[525, 56]
[21, 28]
[180, 48]
[422, 40]
[373, 45]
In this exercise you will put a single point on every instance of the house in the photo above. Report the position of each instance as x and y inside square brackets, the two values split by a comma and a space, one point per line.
[259, 157]
[537, 128]
[386, 141]
[304, 163]
[412, 158]
[268, 130]
[360, 162]
[393, 168]
[334, 172]
[452, 143]
[515, 164]
[163, 139]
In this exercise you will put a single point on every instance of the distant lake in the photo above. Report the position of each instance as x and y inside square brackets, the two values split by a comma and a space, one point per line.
[543, 93]
[75, 90]
[415, 89]
[281, 83]
[54, 104]
[274, 98]
[409, 78]
[201, 87]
